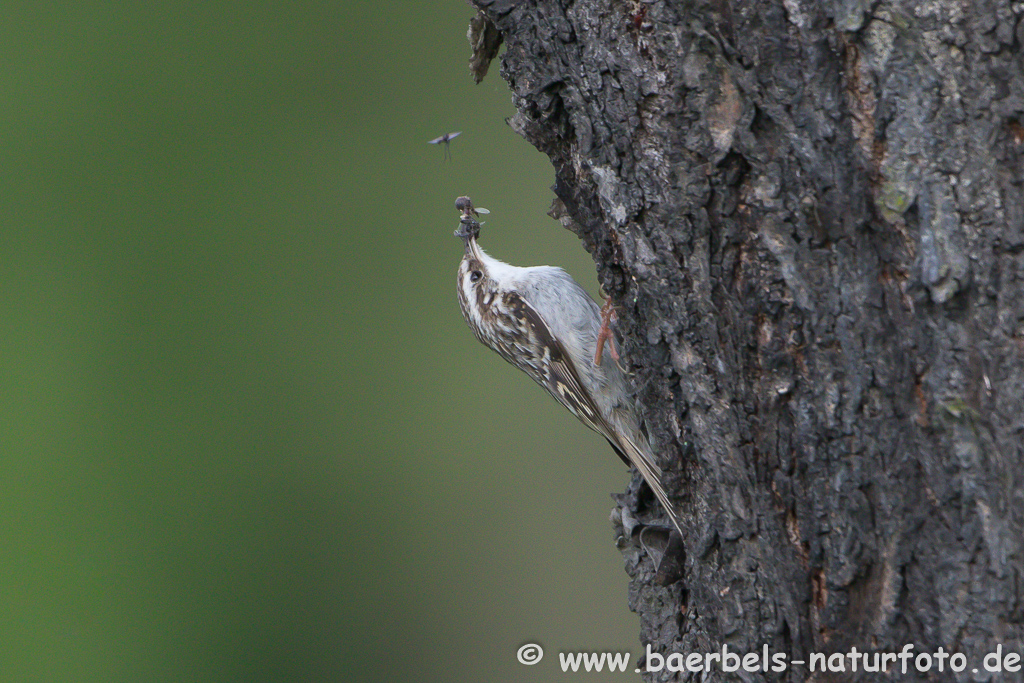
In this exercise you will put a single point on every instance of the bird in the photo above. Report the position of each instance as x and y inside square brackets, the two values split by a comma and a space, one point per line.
[446, 139]
[542, 321]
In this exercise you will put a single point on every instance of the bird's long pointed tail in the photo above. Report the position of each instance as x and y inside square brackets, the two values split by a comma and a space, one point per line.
[643, 460]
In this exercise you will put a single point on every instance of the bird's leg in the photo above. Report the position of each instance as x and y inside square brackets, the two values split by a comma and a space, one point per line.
[606, 334]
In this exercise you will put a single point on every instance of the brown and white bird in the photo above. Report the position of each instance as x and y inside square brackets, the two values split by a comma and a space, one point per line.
[540, 320]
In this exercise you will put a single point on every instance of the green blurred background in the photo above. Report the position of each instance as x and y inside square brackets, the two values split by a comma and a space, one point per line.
[246, 434]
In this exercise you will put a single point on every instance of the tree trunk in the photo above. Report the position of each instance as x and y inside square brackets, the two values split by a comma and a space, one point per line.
[810, 218]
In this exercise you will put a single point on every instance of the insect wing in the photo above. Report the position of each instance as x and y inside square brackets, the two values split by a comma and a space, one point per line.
[446, 138]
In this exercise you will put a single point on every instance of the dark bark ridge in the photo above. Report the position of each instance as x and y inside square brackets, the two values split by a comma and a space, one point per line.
[810, 217]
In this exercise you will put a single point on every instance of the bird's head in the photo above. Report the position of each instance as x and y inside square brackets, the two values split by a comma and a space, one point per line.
[484, 283]
[481, 281]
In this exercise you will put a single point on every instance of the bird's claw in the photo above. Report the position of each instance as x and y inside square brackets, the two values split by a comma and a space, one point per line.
[605, 334]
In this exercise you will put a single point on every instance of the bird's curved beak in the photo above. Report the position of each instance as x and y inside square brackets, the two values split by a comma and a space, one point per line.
[473, 249]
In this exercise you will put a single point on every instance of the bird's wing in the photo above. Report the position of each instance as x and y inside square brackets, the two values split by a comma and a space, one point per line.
[557, 373]
[547, 362]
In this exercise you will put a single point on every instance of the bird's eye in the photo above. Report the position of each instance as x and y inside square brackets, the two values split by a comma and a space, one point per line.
[475, 275]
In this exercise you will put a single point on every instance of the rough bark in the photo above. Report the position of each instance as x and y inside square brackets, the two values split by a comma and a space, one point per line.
[810, 217]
